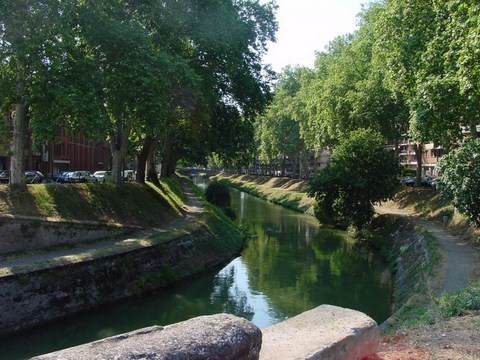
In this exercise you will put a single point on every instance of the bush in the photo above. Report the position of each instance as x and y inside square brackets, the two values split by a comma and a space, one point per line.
[360, 173]
[459, 179]
[458, 303]
[218, 194]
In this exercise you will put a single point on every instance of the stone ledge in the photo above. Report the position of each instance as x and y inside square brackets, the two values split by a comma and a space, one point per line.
[215, 337]
[326, 332]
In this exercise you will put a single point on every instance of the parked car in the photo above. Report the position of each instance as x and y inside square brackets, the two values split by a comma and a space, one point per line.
[4, 177]
[34, 177]
[427, 181]
[80, 177]
[408, 181]
[62, 177]
[129, 175]
[103, 176]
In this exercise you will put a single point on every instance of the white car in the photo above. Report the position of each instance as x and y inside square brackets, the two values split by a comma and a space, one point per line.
[129, 175]
[80, 177]
[103, 176]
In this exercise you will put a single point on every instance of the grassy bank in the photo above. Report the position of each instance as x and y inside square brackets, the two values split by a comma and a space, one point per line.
[128, 204]
[290, 193]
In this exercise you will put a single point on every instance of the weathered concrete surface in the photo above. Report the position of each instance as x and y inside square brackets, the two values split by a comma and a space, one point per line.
[216, 337]
[326, 332]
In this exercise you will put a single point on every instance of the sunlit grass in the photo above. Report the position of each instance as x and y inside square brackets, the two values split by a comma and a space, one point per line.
[128, 204]
[282, 191]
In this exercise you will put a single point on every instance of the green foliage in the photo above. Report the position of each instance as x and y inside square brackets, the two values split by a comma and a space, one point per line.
[459, 178]
[361, 172]
[459, 302]
[218, 194]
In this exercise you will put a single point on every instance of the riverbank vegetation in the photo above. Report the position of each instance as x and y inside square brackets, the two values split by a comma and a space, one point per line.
[290, 193]
[141, 207]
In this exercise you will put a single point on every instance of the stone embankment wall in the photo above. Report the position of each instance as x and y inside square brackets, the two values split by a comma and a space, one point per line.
[38, 296]
[413, 261]
[24, 233]
[326, 332]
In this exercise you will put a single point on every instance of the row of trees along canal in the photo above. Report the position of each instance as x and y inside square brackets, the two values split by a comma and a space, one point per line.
[184, 74]
[410, 70]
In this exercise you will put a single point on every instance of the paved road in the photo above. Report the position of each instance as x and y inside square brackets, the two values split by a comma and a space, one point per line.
[461, 258]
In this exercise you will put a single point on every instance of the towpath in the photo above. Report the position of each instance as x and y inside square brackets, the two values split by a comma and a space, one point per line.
[192, 208]
[461, 260]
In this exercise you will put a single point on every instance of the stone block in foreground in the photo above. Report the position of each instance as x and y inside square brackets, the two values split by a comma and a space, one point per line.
[326, 332]
[216, 337]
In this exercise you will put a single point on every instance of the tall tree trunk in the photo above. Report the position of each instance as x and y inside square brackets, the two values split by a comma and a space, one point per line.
[169, 160]
[142, 160]
[418, 155]
[151, 169]
[294, 164]
[19, 142]
[119, 145]
[284, 165]
[305, 166]
[473, 131]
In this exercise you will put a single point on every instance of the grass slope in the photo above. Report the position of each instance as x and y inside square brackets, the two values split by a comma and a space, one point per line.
[290, 193]
[128, 204]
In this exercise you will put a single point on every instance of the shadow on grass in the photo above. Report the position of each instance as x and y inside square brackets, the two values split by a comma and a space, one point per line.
[422, 200]
[17, 200]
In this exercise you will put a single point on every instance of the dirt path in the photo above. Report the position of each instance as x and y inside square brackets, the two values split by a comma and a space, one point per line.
[460, 259]
[455, 338]
[192, 208]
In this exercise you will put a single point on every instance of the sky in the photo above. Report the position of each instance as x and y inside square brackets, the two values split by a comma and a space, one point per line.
[306, 26]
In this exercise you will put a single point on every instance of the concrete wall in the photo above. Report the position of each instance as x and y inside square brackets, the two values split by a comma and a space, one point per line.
[35, 297]
[326, 332]
[24, 233]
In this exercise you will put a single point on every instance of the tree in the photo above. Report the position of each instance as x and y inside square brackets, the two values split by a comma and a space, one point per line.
[30, 41]
[360, 173]
[459, 178]
[230, 38]
[446, 102]
[403, 31]
[278, 131]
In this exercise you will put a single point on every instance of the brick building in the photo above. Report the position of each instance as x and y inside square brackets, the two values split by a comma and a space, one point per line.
[67, 153]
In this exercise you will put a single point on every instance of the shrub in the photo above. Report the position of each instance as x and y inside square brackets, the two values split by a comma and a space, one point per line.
[218, 194]
[459, 178]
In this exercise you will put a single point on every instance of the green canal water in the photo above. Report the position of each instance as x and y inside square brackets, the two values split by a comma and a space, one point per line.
[289, 265]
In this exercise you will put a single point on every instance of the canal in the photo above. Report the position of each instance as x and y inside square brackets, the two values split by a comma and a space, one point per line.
[289, 265]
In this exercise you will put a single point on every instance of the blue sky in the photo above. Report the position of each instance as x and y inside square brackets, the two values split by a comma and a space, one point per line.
[306, 26]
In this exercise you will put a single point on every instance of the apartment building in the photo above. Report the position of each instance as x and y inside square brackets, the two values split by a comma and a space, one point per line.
[430, 157]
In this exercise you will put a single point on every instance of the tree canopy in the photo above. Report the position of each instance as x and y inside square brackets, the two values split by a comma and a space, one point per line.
[157, 72]
[361, 173]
